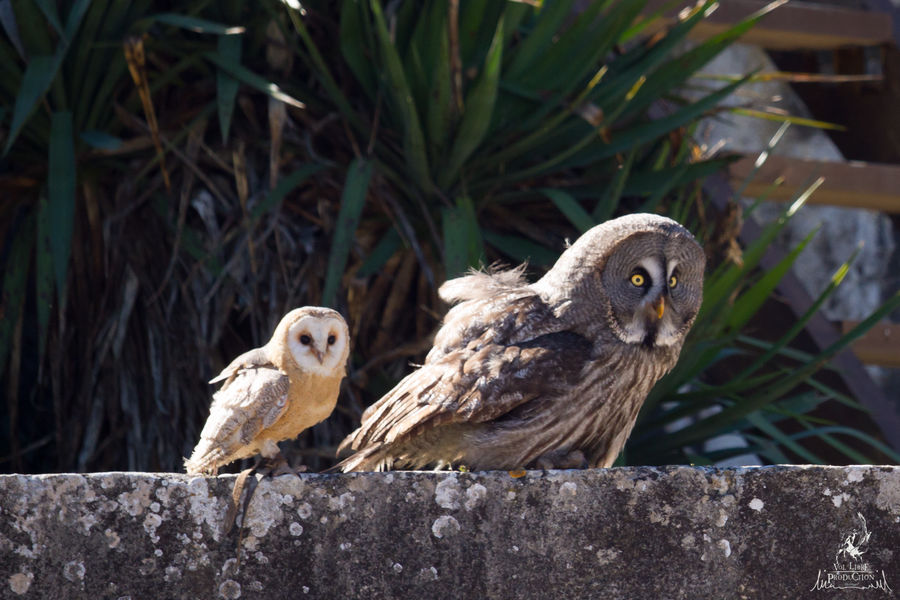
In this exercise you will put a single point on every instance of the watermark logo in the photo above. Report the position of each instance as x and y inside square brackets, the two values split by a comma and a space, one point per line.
[851, 569]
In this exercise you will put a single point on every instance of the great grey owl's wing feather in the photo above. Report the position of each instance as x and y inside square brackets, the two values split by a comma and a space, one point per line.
[478, 285]
[490, 363]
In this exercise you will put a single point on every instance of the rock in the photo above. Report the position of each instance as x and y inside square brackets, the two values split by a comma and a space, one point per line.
[678, 532]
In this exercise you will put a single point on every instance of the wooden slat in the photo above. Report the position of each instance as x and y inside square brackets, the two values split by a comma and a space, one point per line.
[795, 25]
[879, 346]
[850, 184]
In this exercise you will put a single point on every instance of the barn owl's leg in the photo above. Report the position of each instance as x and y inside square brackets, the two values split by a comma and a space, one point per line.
[272, 463]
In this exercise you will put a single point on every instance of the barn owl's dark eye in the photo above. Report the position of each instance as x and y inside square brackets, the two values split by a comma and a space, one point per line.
[305, 339]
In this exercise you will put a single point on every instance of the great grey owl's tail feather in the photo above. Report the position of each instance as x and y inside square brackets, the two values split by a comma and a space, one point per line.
[370, 458]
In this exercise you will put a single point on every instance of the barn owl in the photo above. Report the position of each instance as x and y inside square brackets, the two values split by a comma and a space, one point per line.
[549, 374]
[273, 393]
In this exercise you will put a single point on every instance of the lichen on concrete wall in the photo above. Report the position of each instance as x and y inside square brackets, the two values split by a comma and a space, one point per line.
[772, 532]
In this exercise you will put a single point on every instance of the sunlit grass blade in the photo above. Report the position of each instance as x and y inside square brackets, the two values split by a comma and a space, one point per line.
[520, 249]
[651, 204]
[586, 43]
[780, 345]
[849, 431]
[413, 138]
[591, 148]
[645, 183]
[545, 128]
[645, 21]
[640, 134]
[285, 185]
[353, 200]
[462, 238]
[606, 205]
[777, 389]
[229, 47]
[690, 403]
[51, 13]
[100, 140]
[547, 24]
[478, 20]
[44, 275]
[477, 112]
[439, 115]
[717, 291]
[761, 159]
[751, 300]
[677, 71]
[644, 61]
[61, 195]
[355, 34]
[786, 118]
[39, 74]
[787, 441]
[26, 27]
[386, 247]
[195, 24]
[570, 207]
[250, 78]
[833, 394]
[318, 66]
[587, 37]
[15, 278]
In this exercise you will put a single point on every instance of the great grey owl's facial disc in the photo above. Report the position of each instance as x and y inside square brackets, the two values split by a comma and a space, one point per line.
[654, 282]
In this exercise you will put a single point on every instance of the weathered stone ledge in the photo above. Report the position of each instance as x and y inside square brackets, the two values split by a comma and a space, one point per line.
[676, 532]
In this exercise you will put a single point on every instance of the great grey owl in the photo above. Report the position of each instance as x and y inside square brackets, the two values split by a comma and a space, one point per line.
[549, 374]
[273, 393]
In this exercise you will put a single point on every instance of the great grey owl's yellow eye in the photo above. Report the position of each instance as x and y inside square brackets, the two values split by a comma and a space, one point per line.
[673, 281]
[305, 339]
[637, 280]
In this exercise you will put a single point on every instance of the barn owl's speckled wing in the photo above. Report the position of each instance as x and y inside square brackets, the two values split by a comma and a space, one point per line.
[253, 398]
[493, 354]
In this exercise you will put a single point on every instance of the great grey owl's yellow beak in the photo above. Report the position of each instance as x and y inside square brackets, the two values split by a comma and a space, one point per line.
[660, 307]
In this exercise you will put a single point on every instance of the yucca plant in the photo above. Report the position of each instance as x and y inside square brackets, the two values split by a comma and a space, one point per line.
[407, 141]
[470, 109]
[77, 130]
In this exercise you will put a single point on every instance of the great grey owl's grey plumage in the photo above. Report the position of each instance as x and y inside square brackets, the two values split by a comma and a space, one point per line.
[533, 375]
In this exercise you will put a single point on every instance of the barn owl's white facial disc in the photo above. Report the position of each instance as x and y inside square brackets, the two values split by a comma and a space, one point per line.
[317, 344]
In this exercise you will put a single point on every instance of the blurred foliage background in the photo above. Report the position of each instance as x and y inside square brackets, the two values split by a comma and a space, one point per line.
[177, 176]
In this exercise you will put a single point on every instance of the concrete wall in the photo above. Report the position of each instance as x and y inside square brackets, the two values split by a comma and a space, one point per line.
[678, 532]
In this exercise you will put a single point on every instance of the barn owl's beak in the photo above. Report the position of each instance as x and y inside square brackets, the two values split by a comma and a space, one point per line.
[660, 307]
[320, 356]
